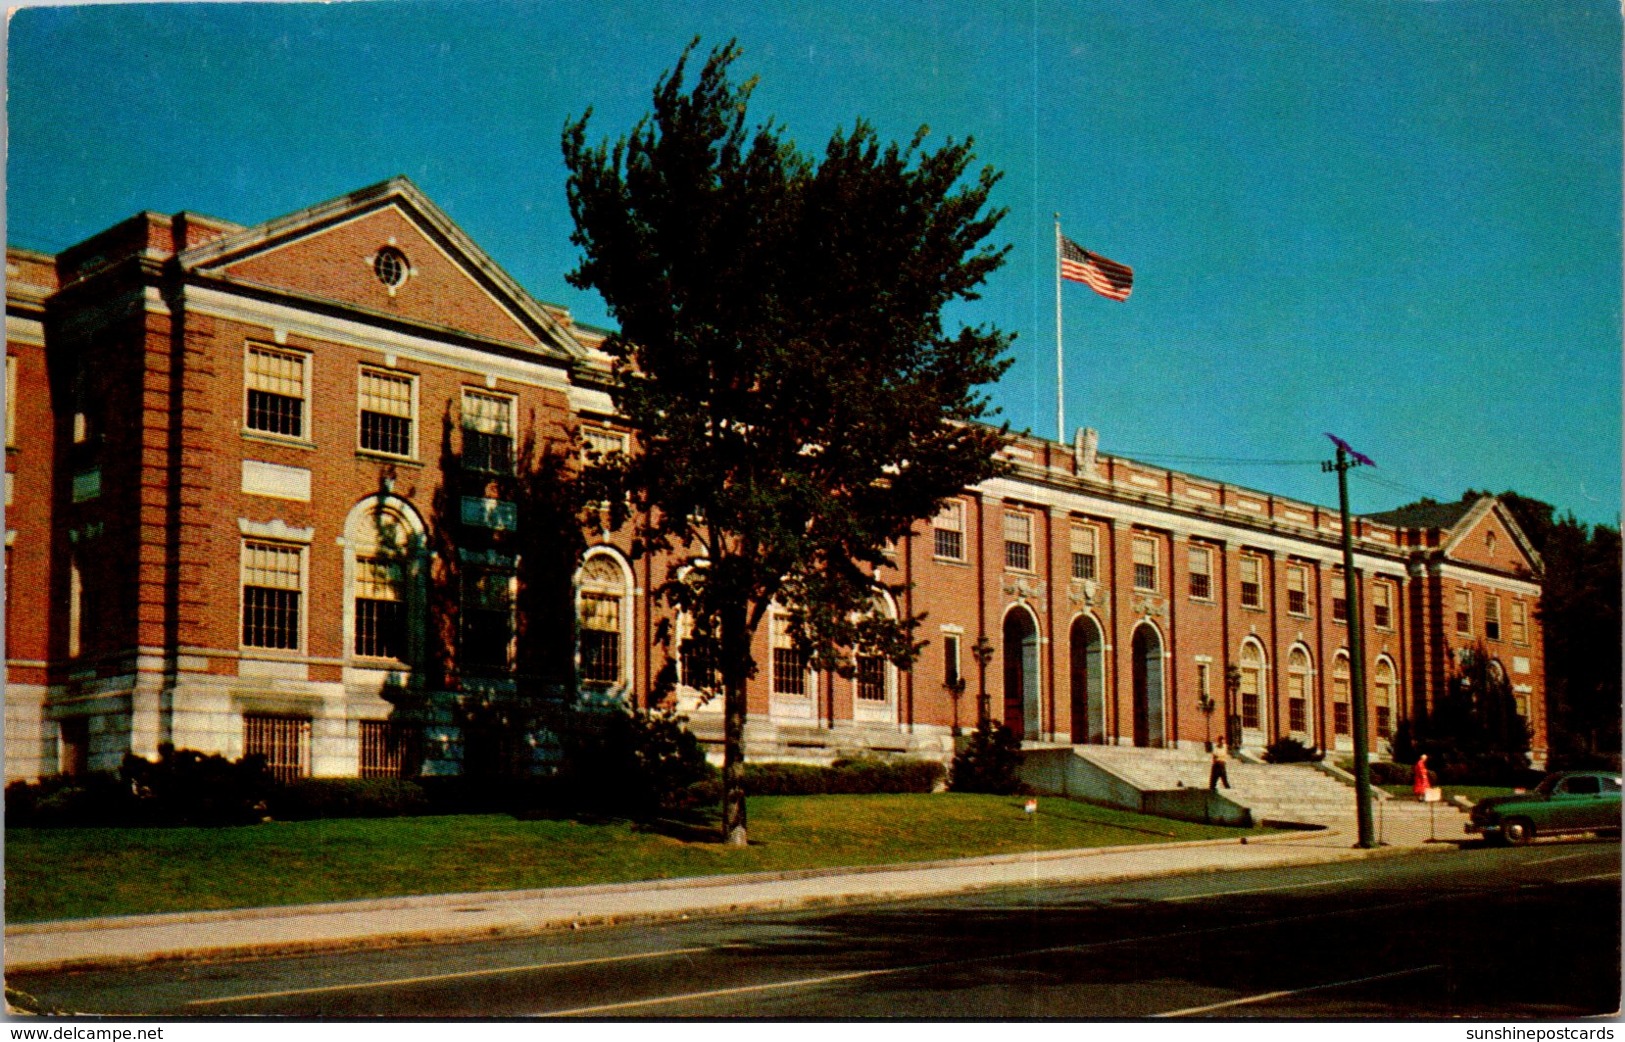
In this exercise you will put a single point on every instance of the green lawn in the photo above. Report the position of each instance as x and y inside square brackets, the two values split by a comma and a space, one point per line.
[1472, 792]
[76, 873]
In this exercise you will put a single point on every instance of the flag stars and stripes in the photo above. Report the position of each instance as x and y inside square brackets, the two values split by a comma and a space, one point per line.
[1106, 277]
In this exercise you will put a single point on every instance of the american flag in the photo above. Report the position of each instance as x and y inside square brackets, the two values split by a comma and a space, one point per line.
[1106, 277]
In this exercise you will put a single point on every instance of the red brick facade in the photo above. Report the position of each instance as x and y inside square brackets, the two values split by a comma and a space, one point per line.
[228, 479]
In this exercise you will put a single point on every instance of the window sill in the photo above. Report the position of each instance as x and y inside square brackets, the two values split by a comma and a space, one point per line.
[1301, 615]
[1254, 607]
[1202, 600]
[384, 457]
[274, 439]
[958, 561]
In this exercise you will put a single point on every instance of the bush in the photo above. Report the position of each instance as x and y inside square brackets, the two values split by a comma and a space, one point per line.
[864, 776]
[989, 761]
[347, 798]
[627, 764]
[1291, 750]
[94, 799]
[186, 787]
[1384, 772]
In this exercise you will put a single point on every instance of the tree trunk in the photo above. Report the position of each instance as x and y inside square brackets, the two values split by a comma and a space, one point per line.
[735, 652]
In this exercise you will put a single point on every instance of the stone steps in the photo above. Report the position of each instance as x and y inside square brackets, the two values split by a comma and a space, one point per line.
[1281, 792]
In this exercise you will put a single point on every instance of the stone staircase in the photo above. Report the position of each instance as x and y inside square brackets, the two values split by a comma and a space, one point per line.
[1295, 792]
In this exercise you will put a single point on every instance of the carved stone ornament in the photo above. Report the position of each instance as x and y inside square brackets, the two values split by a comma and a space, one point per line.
[1144, 604]
[1025, 587]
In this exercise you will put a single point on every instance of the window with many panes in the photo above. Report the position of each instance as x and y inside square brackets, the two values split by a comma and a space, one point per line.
[596, 442]
[272, 582]
[948, 531]
[1520, 622]
[1297, 691]
[1340, 695]
[1340, 599]
[1018, 540]
[487, 618]
[950, 660]
[386, 401]
[601, 628]
[1085, 551]
[276, 391]
[284, 741]
[1382, 605]
[390, 749]
[1201, 573]
[1297, 589]
[1492, 617]
[1145, 563]
[871, 678]
[789, 662]
[1252, 687]
[1464, 613]
[1382, 697]
[487, 432]
[380, 608]
[1252, 581]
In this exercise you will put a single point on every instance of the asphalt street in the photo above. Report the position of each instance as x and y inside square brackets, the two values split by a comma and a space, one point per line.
[1475, 933]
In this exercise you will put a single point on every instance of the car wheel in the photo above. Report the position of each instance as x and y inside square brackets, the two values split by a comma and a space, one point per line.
[1517, 831]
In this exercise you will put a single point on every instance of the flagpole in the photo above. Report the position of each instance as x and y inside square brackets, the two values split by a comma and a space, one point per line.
[1060, 372]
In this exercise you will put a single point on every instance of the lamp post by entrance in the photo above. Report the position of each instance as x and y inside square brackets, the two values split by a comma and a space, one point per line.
[982, 652]
[1207, 705]
[956, 691]
[1232, 715]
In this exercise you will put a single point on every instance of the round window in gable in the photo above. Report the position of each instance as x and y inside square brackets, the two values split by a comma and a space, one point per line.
[391, 267]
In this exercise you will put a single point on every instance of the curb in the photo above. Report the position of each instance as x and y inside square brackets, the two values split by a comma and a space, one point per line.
[390, 904]
[575, 921]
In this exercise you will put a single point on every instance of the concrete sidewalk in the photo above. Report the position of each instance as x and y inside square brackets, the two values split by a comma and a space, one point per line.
[86, 943]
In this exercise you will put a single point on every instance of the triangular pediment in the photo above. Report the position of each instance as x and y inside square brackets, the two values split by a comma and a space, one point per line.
[1489, 537]
[433, 276]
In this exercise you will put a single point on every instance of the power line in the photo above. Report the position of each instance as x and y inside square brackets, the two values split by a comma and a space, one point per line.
[1237, 460]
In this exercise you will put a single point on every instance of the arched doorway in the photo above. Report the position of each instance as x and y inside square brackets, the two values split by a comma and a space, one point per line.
[1021, 713]
[1088, 683]
[1148, 688]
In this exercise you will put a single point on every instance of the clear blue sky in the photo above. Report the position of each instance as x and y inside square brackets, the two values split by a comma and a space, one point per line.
[1396, 220]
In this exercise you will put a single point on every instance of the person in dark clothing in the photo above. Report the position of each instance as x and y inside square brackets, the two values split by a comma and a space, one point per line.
[1220, 771]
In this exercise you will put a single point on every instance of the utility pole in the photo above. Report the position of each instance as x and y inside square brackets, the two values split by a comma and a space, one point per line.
[1346, 459]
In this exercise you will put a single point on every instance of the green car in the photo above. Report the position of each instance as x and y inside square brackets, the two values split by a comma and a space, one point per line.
[1573, 801]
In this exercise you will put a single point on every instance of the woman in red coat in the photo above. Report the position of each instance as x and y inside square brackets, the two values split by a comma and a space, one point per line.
[1421, 786]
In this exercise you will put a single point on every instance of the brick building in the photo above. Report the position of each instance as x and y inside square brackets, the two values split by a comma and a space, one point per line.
[263, 497]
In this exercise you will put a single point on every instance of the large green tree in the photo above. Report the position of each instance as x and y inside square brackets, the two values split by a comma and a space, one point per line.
[798, 400]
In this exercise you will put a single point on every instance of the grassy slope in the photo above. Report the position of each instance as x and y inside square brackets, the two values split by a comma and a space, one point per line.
[75, 873]
[1472, 792]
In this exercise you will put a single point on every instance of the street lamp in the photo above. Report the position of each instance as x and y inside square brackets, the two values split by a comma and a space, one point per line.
[956, 691]
[1232, 690]
[1207, 705]
[982, 652]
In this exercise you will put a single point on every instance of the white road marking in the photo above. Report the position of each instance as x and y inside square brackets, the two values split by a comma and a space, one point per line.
[1560, 857]
[437, 977]
[745, 989]
[1260, 889]
[665, 1000]
[1588, 879]
[1271, 995]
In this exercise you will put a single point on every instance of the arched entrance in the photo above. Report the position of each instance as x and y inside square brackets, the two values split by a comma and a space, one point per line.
[1088, 683]
[1021, 673]
[1148, 688]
